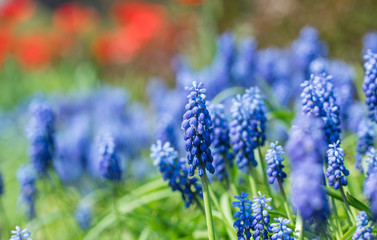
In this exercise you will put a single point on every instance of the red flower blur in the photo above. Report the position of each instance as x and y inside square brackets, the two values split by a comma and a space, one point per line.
[5, 44]
[13, 11]
[74, 18]
[33, 51]
[138, 23]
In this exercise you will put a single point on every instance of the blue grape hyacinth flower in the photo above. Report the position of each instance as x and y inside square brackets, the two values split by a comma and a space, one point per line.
[274, 158]
[371, 160]
[197, 126]
[247, 128]
[318, 100]
[19, 234]
[370, 84]
[336, 172]
[370, 192]
[83, 215]
[363, 232]
[27, 177]
[366, 135]
[261, 220]
[220, 141]
[280, 230]
[244, 216]
[173, 170]
[109, 164]
[40, 132]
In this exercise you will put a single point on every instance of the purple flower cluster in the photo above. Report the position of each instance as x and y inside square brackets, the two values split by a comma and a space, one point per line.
[40, 131]
[109, 163]
[366, 135]
[370, 192]
[220, 141]
[370, 84]
[175, 172]
[371, 160]
[247, 128]
[363, 232]
[274, 158]
[261, 217]
[243, 217]
[197, 127]
[336, 172]
[280, 229]
[27, 177]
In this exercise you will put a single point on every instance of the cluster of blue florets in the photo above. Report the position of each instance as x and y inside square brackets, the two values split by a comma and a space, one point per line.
[274, 158]
[83, 215]
[366, 135]
[336, 172]
[19, 234]
[370, 192]
[27, 177]
[173, 170]
[40, 132]
[371, 160]
[363, 232]
[253, 217]
[370, 84]
[318, 100]
[109, 163]
[220, 141]
[1, 184]
[247, 128]
[197, 127]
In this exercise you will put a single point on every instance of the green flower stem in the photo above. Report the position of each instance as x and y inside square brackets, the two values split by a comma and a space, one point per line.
[217, 205]
[116, 210]
[207, 207]
[337, 221]
[264, 173]
[299, 229]
[286, 206]
[252, 174]
[349, 213]
[5, 220]
[230, 178]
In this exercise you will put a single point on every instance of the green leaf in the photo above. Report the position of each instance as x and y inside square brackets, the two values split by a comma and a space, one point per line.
[349, 233]
[229, 92]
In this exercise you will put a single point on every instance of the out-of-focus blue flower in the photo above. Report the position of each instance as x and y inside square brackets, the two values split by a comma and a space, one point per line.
[318, 100]
[1, 184]
[363, 232]
[306, 148]
[243, 69]
[356, 113]
[197, 125]
[307, 48]
[369, 42]
[83, 215]
[366, 135]
[72, 146]
[109, 164]
[336, 172]
[370, 84]
[40, 132]
[19, 234]
[261, 221]
[280, 230]
[371, 160]
[174, 170]
[220, 141]
[243, 217]
[274, 158]
[27, 176]
[370, 192]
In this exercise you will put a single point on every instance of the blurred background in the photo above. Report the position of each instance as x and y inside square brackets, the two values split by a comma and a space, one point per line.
[119, 67]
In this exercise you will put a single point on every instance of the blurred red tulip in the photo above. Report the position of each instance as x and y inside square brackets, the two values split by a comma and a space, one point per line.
[74, 18]
[138, 22]
[5, 44]
[33, 51]
[12, 11]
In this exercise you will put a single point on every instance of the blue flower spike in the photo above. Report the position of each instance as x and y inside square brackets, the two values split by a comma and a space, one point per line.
[19, 234]
[371, 160]
[244, 216]
[261, 216]
[109, 163]
[197, 126]
[280, 230]
[370, 84]
[274, 158]
[363, 232]
[336, 171]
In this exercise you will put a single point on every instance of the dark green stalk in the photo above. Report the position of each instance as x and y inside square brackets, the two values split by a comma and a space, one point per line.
[207, 207]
